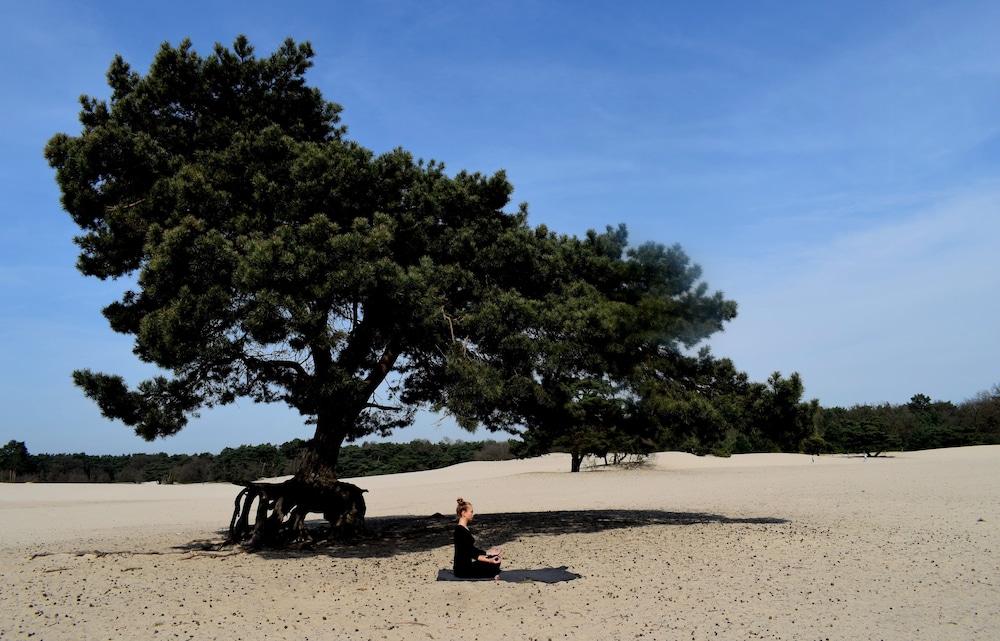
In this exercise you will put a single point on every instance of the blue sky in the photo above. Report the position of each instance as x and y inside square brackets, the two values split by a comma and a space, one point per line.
[834, 168]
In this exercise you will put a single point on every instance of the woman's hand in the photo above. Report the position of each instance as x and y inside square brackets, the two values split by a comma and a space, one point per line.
[486, 558]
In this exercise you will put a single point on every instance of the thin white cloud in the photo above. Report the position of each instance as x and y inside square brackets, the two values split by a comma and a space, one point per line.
[881, 313]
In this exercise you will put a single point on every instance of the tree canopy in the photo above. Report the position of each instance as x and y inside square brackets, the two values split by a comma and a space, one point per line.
[275, 259]
[14, 460]
[597, 338]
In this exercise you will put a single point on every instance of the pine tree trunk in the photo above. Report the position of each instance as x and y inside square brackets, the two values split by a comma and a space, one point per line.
[282, 507]
[319, 465]
[576, 458]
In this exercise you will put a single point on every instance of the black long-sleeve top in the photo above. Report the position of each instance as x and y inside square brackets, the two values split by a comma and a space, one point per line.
[466, 553]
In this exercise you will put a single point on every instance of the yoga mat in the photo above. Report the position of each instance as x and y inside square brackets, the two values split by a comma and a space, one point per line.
[542, 575]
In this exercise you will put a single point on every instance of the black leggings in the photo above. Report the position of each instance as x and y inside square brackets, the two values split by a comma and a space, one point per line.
[478, 570]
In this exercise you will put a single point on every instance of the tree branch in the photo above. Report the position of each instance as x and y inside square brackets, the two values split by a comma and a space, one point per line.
[125, 206]
[262, 363]
[358, 342]
[392, 408]
[451, 326]
[381, 369]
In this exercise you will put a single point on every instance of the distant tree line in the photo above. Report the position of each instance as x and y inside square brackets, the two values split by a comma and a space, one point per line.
[710, 408]
[919, 424]
[236, 464]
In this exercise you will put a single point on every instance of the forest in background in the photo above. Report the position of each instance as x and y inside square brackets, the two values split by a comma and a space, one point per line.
[765, 418]
[237, 464]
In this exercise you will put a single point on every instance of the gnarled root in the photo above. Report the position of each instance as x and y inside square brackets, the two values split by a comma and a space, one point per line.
[282, 509]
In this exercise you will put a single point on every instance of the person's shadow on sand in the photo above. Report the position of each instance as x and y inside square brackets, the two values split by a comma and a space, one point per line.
[543, 575]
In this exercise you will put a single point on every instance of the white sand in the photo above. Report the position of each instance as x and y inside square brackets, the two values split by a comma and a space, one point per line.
[906, 547]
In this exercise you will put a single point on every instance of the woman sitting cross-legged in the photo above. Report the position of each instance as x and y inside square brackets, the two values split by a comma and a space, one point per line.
[470, 561]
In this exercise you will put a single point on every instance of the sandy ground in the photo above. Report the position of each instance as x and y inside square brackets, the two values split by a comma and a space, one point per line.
[760, 546]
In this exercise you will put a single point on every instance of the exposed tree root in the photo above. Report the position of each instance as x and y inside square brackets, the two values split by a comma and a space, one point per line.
[282, 508]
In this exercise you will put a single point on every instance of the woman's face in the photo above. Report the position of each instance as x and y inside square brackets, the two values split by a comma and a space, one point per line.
[468, 513]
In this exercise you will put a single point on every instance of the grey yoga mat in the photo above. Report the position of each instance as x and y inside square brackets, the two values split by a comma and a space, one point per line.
[543, 575]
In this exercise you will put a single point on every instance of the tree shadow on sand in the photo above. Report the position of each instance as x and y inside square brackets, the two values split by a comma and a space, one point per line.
[391, 535]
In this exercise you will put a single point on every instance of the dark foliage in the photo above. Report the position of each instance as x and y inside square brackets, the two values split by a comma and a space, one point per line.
[237, 464]
[14, 461]
[918, 425]
[704, 405]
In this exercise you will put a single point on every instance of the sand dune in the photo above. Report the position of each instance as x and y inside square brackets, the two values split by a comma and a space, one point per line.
[775, 546]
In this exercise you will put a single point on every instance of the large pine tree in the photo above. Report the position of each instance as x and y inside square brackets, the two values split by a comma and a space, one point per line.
[278, 260]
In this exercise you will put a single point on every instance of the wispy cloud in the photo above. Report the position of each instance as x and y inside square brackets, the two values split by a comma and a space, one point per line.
[881, 313]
